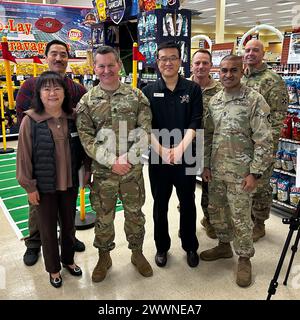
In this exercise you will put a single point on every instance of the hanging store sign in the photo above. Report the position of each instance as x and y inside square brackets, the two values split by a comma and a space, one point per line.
[116, 10]
[29, 27]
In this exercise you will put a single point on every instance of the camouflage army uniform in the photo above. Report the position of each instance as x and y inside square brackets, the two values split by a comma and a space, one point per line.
[272, 87]
[238, 141]
[207, 94]
[100, 110]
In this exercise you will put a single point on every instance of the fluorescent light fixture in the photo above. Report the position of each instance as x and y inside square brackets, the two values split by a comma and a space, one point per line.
[267, 19]
[250, 0]
[285, 3]
[232, 4]
[263, 14]
[240, 18]
[236, 12]
[283, 11]
[285, 17]
[197, 1]
[230, 24]
[208, 9]
[260, 8]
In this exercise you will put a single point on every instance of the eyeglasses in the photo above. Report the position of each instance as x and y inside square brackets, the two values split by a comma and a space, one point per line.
[165, 59]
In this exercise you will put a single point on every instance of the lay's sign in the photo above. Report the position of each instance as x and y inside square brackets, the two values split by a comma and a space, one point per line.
[74, 34]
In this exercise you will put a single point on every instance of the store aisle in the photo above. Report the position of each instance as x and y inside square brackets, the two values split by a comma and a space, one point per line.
[210, 280]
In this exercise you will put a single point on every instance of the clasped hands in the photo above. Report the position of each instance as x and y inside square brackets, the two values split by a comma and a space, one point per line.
[171, 156]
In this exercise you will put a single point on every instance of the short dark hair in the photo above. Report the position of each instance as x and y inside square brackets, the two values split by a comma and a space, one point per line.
[203, 51]
[46, 78]
[107, 49]
[49, 44]
[168, 44]
[233, 57]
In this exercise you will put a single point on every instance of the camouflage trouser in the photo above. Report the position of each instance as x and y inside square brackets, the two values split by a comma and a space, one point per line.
[204, 199]
[104, 193]
[262, 197]
[230, 214]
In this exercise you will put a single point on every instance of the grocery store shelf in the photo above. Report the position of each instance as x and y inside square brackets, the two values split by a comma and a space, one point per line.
[285, 172]
[289, 140]
[292, 106]
[283, 208]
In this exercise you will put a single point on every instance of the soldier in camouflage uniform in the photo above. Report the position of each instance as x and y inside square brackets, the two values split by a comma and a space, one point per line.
[109, 113]
[238, 149]
[272, 87]
[201, 65]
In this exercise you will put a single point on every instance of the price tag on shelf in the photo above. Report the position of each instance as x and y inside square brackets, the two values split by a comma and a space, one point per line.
[298, 71]
[286, 71]
[20, 77]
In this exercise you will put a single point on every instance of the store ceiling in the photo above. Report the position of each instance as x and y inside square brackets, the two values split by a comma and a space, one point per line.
[240, 13]
[246, 13]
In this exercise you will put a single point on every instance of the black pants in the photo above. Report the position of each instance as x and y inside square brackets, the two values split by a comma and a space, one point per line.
[162, 180]
[33, 240]
[53, 206]
[204, 199]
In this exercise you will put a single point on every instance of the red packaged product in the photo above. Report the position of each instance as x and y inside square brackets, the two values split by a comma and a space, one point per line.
[296, 128]
[286, 130]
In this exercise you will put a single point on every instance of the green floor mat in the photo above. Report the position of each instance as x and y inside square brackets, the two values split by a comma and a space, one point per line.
[13, 198]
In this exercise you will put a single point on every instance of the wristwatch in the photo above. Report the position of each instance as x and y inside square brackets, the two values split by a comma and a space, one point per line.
[256, 175]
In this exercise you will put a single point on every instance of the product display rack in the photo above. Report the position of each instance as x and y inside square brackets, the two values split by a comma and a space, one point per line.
[285, 208]
[161, 25]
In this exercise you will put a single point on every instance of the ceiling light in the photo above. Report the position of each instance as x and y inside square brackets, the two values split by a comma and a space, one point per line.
[282, 11]
[260, 8]
[208, 9]
[240, 18]
[196, 1]
[285, 3]
[232, 4]
[250, 0]
[236, 12]
[263, 14]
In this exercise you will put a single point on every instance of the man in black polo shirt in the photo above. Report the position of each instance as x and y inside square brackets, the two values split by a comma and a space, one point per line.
[176, 104]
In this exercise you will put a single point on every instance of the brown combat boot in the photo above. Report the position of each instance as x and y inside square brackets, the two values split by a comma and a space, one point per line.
[142, 265]
[244, 276]
[103, 264]
[209, 229]
[221, 251]
[258, 229]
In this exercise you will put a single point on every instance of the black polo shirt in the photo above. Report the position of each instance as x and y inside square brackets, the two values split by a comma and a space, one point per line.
[181, 108]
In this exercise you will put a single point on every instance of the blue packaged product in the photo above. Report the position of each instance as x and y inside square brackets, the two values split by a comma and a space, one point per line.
[294, 195]
[286, 161]
[278, 156]
[283, 185]
[273, 184]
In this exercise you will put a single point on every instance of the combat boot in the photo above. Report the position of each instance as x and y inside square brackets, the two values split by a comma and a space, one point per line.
[103, 264]
[142, 265]
[221, 251]
[244, 276]
[209, 229]
[258, 229]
